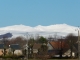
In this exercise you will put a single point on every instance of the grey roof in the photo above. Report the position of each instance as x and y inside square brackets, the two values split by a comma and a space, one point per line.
[36, 46]
[76, 46]
[1, 46]
[15, 46]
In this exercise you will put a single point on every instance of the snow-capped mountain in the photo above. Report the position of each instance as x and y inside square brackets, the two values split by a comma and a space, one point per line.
[21, 30]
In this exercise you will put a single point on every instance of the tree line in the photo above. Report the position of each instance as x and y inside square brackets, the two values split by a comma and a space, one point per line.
[69, 39]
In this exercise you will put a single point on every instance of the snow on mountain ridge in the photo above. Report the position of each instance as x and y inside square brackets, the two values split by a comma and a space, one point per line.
[51, 29]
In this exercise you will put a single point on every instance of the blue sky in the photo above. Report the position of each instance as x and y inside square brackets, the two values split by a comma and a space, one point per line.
[39, 12]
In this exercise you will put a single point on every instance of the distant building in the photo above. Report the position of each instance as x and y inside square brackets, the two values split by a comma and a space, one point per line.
[15, 48]
[1, 49]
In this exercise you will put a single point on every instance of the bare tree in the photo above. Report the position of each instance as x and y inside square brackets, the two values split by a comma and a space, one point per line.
[18, 40]
[71, 39]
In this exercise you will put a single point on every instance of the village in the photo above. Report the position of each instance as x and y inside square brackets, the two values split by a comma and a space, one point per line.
[39, 48]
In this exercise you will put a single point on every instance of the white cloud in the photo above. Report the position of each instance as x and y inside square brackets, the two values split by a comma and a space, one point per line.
[60, 29]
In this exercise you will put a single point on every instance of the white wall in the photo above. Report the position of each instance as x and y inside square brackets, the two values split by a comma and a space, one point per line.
[18, 52]
[49, 47]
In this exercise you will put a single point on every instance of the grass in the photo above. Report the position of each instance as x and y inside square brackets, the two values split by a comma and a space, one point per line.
[62, 59]
[54, 59]
[41, 59]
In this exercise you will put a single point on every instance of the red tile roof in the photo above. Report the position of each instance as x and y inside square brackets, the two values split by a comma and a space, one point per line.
[59, 44]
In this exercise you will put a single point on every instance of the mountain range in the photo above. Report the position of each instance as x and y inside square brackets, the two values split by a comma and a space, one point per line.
[55, 29]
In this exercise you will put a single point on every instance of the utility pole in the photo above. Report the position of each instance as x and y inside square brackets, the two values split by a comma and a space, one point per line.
[78, 43]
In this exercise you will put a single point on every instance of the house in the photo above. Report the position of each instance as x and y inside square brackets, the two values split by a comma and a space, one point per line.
[74, 52]
[15, 49]
[36, 47]
[1, 49]
[57, 48]
[75, 49]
